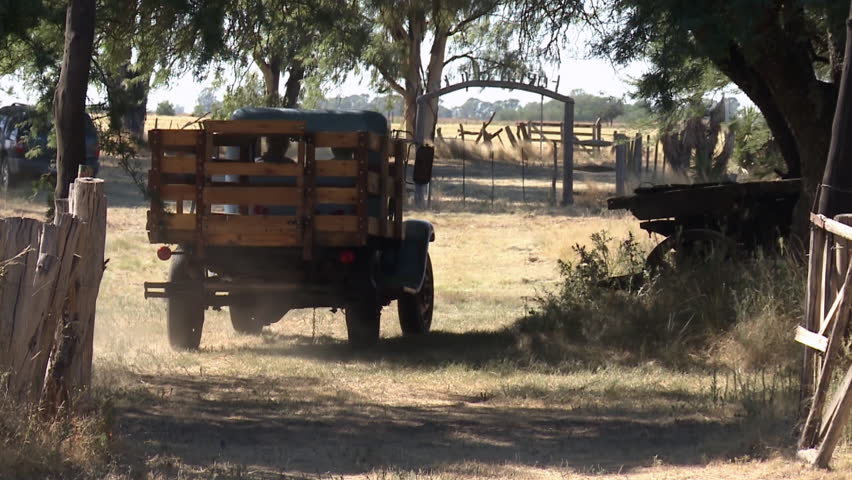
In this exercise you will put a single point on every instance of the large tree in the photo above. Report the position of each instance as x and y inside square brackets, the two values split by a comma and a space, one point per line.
[143, 43]
[786, 55]
[301, 38]
[476, 36]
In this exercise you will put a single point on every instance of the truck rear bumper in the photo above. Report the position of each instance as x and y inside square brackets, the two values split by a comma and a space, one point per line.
[220, 293]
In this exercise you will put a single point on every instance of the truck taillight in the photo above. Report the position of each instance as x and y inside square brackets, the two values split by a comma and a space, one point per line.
[97, 152]
[347, 257]
[164, 253]
[20, 148]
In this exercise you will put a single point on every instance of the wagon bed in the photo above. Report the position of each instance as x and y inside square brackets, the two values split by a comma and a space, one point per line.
[752, 214]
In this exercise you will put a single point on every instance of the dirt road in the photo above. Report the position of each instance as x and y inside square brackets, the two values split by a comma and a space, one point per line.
[472, 400]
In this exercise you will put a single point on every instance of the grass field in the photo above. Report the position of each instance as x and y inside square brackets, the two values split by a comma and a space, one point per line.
[469, 401]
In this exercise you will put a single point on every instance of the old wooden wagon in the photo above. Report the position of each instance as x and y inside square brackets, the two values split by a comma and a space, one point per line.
[717, 217]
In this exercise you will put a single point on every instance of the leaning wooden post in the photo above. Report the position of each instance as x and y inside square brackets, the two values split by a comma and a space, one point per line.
[832, 200]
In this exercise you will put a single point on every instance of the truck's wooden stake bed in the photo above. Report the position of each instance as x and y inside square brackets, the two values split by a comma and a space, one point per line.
[280, 209]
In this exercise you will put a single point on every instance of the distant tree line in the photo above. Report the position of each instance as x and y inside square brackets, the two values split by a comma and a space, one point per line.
[587, 108]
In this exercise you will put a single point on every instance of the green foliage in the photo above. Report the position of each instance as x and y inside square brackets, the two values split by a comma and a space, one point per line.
[755, 149]
[704, 310]
[249, 94]
[165, 108]
[206, 102]
[315, 41]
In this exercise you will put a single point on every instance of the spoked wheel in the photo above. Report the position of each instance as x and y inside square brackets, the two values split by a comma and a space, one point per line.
[185, 304]
[415, 311]
[696, 245]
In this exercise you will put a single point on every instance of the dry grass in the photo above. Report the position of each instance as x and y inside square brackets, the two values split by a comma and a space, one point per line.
[467, 402]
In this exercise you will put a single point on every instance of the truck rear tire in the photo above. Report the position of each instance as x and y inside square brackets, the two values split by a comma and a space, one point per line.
[363, 319]
[415, 311]
[244, 319]
[185, 305]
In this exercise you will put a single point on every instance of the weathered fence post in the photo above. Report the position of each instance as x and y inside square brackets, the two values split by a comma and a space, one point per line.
[656, 153]
[637, 155]
[620, 157]
[51, 276]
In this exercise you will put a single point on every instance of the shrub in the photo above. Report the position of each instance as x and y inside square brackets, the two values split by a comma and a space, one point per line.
[726, 314]
[165, 108]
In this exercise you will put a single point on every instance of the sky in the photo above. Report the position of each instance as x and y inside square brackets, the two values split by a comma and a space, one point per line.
[595, 76]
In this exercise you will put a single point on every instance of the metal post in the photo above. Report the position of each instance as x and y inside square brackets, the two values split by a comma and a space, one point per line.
[523, 172]
[555, 173]
[647, 154]
[568, 154]
[464, 173]
[491, 154]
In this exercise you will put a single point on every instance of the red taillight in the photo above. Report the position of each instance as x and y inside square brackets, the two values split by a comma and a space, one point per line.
[97, 152]
[260, 210]
[20, 148]
[164, 253]
[347, 257]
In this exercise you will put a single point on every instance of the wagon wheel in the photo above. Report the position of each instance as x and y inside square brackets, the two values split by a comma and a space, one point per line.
[690, 245]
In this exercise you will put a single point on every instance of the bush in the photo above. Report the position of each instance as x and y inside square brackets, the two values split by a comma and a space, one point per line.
[725, 314]
[165, 108]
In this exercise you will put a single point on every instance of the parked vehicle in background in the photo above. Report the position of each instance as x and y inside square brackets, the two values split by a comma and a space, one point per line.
[27, 156]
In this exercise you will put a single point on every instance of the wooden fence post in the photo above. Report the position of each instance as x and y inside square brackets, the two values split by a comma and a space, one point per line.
[52, 274]
[620, 160]
[637, 155]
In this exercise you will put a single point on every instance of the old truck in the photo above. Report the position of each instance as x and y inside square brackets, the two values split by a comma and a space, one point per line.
[279, 209]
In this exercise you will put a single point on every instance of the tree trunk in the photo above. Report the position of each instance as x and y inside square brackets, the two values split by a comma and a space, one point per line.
[136, 108]
[413, 78]
[271, 71]
[69, 100]
[835, 194]
[293, 87]
[433, 80]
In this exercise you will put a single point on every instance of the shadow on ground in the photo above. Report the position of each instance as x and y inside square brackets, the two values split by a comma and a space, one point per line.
[317, 426]
[300, 426]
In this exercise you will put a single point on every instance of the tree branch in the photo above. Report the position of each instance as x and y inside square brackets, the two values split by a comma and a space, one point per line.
[391, 81]
[476, 15]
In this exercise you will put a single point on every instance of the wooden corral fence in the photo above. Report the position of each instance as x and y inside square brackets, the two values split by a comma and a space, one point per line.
[824, 332]
[51, 274]
[535, 131]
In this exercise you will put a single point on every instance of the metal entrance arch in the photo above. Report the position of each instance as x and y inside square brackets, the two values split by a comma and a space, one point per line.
[567, 126]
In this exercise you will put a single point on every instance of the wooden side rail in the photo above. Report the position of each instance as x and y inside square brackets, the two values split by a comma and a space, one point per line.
[187, 170]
